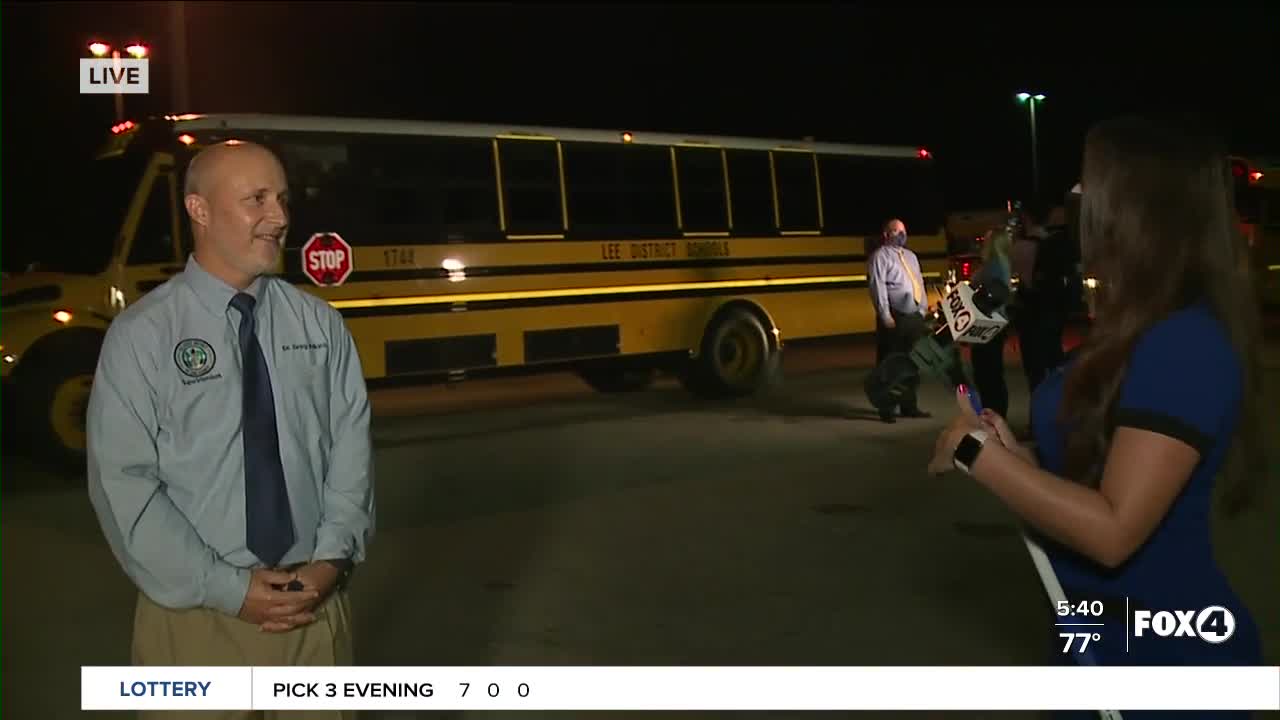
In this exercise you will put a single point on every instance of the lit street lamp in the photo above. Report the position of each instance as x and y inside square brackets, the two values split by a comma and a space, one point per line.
[1031, 100]
[100, 49]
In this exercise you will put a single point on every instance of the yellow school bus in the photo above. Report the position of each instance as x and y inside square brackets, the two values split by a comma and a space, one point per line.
[480, 249]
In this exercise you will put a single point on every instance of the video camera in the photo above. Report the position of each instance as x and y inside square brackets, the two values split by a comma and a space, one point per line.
[966, 314]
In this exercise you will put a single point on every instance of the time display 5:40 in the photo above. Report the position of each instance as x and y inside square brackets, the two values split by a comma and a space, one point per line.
[1084, 607]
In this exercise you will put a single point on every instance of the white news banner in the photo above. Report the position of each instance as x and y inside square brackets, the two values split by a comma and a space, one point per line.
[679, 688]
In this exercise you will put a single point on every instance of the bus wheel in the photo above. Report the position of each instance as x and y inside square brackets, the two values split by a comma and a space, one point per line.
[618, 380]
[736, 359]
[54, 402]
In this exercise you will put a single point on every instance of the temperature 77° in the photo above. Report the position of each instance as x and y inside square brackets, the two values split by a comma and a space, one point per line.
[1083, 638]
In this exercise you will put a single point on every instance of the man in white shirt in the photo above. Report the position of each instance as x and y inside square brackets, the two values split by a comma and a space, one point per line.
[901, 303]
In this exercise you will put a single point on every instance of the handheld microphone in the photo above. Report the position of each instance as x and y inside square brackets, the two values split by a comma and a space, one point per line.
[972, 395]
[968, 314]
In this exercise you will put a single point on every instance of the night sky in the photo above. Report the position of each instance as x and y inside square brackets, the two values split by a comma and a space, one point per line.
[941, 79]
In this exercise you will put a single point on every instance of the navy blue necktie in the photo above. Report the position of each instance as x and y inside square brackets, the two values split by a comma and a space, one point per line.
[269, 532]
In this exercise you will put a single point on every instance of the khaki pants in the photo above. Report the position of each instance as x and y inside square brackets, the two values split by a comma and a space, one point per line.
[207, 637]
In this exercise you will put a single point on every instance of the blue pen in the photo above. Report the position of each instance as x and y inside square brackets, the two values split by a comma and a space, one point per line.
[973, 398]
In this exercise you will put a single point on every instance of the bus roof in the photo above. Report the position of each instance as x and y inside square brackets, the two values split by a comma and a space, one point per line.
[301, 123]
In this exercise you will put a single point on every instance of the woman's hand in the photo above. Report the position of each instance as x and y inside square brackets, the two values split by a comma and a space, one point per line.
[945, 449]
[1000, 427]
[997, 425]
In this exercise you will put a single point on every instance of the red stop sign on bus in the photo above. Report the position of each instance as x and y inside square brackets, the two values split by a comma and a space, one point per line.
[326, 259]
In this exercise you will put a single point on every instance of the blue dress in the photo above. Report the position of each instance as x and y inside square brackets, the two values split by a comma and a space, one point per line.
[1184, 380]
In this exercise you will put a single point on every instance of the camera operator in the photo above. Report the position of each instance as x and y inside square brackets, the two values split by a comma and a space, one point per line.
[1041, 259]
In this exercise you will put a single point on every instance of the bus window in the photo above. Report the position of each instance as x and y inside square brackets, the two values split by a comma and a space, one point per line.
[751, 192]
[153, 243]
[395, 180]
[649, 188]
[322, 193]
[468, 180]
[619, 191]
[378, 190]
[531, 187]
[700, 175]
[797, 191]
[591, 179]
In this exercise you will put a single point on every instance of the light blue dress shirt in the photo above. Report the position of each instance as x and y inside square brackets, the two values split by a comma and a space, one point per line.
[890, 284]
[166, 459]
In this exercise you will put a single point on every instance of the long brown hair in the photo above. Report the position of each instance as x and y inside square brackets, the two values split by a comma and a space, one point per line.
[1158, 231]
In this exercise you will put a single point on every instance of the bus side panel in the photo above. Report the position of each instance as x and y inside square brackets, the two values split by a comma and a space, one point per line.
[444, 339]
[440, 336]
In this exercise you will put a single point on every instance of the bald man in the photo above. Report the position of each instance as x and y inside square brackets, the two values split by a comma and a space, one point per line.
[901, 301]
[228, 443]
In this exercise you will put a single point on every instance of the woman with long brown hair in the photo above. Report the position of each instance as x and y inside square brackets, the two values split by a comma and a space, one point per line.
[1162, 397]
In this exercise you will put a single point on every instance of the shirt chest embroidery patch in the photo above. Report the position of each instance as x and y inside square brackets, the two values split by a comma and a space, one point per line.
[196, 359]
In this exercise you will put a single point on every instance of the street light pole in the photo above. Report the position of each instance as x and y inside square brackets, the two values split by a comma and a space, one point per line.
[1035, 154]
[137, 50]
[115, 57]
[1031, 101]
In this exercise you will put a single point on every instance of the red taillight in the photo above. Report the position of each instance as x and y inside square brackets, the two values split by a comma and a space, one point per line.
[1255, 176]
[924, 153]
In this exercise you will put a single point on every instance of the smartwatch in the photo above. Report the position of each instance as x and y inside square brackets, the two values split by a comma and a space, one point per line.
[967, 451]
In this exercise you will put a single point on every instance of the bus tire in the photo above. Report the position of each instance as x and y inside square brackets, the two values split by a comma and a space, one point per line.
[618, 379]
[736, 357]
[53, 398]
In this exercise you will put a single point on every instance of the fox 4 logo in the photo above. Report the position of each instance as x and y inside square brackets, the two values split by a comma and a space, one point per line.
[1214, 624]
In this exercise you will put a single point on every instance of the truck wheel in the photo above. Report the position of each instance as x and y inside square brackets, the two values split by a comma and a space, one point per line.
[736, 357]
[54, 400]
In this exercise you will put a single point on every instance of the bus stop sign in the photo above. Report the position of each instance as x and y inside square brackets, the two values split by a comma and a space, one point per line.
[326, 259]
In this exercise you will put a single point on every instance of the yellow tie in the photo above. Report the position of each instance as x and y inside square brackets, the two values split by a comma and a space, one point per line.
[916, 290]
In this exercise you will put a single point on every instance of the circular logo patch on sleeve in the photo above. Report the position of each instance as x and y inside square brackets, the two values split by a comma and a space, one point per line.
[194, 357]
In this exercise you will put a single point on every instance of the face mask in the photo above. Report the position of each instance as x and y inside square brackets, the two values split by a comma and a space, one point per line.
[899, 239]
